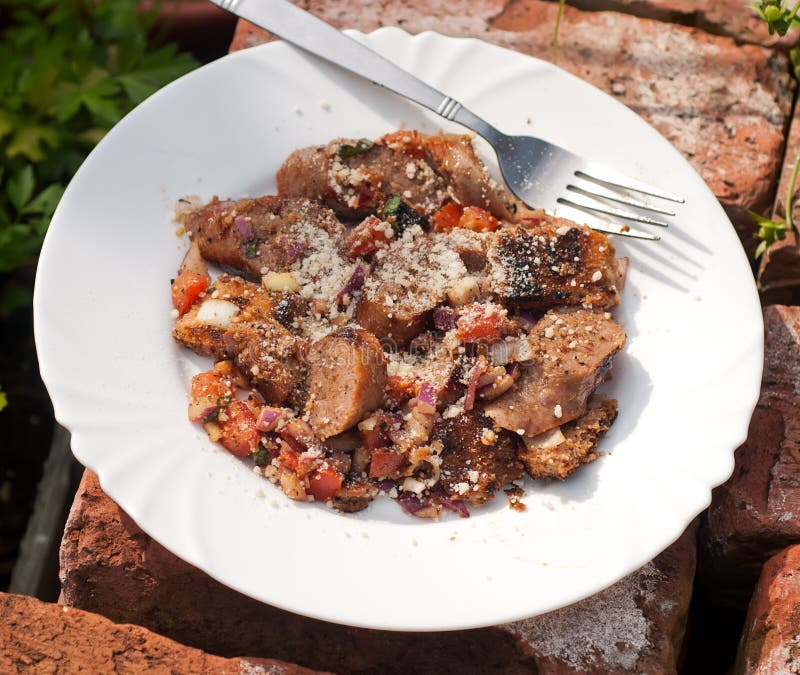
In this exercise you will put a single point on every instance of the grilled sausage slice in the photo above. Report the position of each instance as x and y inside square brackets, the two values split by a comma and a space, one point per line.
[573, 351]
[355, 178]
[409, 279]
[346, 378]
[251, 235]
[553, 263]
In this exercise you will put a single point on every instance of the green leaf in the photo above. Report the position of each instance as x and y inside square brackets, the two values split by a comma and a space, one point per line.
[20, 187]
[762, 247]
[3, 400]
[6, 123]
[29, 141]
[45, 202]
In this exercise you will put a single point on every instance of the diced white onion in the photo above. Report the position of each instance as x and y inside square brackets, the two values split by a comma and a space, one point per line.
[216, 313]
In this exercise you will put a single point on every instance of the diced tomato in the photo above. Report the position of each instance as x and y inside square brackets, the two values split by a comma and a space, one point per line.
[375, 430]
[367, 236]
[477, 219]
[287, 457]
[239, 433]
[398, 390]
[385, 463]
[480, 322]
[324, 484]
[446, 218]
[209, 391]
[408, 142]
[186, 288]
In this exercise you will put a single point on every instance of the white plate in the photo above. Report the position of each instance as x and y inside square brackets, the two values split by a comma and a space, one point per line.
[687, 382]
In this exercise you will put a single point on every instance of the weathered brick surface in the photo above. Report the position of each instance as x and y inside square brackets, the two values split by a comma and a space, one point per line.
[771, 639]
[721, 17]
[723, 105]
[757, 511]
[109, 566]
[39, 637]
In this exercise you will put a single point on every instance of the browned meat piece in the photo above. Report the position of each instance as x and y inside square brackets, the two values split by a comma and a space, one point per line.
[558, 452]
[354, 495]
[453, 157]
[265, 233]
[477, 460]
[236, 320]
[427, 170]
[268, 354]
[202, 328]
[357, 186]
[410, 277]
[573, 349]
[553, 264]
[346, 378]
[436, 364]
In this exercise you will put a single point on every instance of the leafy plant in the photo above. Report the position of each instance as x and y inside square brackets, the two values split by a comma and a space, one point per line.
[69, 71]
[779, 20]
[770, 231]
[778, 17]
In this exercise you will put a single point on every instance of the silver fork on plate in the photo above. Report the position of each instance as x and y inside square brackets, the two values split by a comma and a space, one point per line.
[541, 174]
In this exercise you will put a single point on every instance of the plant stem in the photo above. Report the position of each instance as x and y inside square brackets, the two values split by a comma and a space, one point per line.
[795, 10]
[792, 181]
[560, 13]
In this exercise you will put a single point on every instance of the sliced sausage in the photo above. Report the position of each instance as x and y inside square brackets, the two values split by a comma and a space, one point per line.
[266, 233]
[346, 378]
[553, 264]
[573, 350]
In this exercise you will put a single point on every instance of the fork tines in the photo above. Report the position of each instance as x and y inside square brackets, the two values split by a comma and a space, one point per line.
[607, 192]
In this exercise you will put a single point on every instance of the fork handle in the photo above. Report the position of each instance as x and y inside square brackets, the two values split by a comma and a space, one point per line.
[314, 35]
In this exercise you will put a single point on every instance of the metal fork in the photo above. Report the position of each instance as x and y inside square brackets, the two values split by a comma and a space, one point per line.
[541, 174]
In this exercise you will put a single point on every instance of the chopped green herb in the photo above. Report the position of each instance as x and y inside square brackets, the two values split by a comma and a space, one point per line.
[212, 416]
[261, 457]
[3, 399]
[251, 248]
[362, 145]
[392, 206]
[224, 400]
[401, 215]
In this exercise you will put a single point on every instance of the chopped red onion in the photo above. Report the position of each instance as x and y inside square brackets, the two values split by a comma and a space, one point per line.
[269, 418]
[298, 434]
[354, 283]
[244, 228]
[411, 503]
[193, 261]
[444, 318]
[427, 394]
[293, 248]
[622, 272]
[385, 484]
[446, 501]
[477, 370]
[197, 413]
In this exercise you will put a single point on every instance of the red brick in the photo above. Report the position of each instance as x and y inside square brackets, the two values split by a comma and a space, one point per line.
[733, 18]
[109, 566]
[770, 642]
[757, 511]
[41, 637]
[723, 105]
